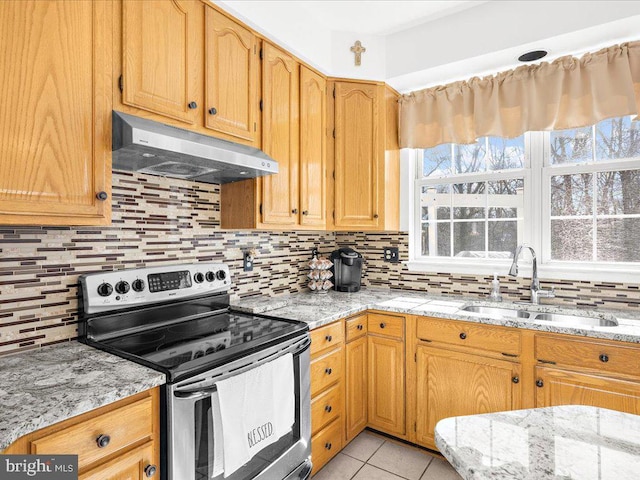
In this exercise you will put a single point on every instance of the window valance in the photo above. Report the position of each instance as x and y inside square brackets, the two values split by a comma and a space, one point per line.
[569, 92]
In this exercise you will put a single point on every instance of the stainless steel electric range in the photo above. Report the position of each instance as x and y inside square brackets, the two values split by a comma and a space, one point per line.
[177, 319]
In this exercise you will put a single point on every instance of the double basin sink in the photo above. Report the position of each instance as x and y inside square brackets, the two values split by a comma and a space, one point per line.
[555, 318]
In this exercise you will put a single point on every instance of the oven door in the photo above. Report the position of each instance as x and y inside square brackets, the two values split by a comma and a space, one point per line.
[190, 432]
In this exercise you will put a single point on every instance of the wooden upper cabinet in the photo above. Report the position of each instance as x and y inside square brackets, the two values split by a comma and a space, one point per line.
[162, 57]
[280, 89]
[232, 79]
[55, 120]
[359, 155]
[312, 149]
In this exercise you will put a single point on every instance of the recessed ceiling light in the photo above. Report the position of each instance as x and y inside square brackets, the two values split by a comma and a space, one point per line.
[532, 56]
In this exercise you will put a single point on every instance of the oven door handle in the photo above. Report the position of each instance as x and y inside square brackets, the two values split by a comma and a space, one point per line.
[195, 395]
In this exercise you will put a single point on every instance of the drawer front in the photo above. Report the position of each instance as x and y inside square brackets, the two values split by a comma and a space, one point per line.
[325, 408]
[327, 337]
[593, 354]
[124, 426]
[387, 325]
[325, 371]
[356, 327]
[468, 334]
[326, 444]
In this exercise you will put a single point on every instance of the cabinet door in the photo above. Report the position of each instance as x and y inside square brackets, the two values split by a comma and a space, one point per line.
[359, 154]
[561, 387]
[312, 149]
[280, 89]
[55, 119]
[386, 384]
[162, 57]
[232, 78]
[136, 464]
[356, 387]
[450, 384]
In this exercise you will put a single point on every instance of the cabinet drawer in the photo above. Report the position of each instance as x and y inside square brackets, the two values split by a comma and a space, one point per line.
[124, 426]
[325, 371]
[325, 408]
[326, 444]
[326, 337]
[468, 334]
[593, 354]
[131, 465]
[386, 325]
[356, 327]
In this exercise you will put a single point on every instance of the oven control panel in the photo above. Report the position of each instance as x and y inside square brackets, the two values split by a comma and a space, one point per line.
[115, 290]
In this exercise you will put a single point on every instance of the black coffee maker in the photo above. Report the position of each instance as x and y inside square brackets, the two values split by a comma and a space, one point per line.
[347, 270]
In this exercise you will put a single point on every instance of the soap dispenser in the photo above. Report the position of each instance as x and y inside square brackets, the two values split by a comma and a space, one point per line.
[495, 294]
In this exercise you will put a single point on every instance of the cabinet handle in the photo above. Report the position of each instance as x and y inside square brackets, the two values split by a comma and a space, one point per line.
[604, 358]
[463, 336]
[328, 445]
[305, 212]
[192, 105]
[382, 325]
[515, 380]
[213, 111]
[150, 470]
[328, 338]
[328, 371]
[294, 211]
[102, 196]
[539, 383]
[375, 215]
[103, 440]
[359, 327]
[328, 409]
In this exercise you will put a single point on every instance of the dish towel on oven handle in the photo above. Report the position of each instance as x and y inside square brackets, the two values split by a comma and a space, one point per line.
[257, 408]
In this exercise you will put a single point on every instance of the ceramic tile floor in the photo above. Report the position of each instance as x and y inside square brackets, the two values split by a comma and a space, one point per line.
[374, 457]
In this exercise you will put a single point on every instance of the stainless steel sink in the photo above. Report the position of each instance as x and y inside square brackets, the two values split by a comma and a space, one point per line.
[497, 311]
[575, 320]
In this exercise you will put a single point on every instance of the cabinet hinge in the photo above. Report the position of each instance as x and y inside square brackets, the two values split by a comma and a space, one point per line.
[260, 209]
[121, 83]
[261, 54]
[261, 105]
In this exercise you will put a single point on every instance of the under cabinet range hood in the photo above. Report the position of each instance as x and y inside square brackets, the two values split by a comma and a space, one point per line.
[145, 146]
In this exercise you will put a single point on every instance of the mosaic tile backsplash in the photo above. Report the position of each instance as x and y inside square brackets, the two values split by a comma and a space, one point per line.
[159, 221]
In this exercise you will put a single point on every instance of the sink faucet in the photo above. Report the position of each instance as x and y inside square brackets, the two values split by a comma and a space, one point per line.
[536, 291]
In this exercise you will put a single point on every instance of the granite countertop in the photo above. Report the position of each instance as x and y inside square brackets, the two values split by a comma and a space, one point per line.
[568, 442]
[41, 387]
[321, 309]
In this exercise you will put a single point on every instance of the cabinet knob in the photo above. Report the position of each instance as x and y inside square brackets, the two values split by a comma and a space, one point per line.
[375, 215]
[103, 440]
[150, 470]
[192, 105]
[463, 336]
[213, 111]
[294, 211]
[604, 358]
[305, 212]
[382, 325]
[328, 445]
[328, 371]
[328, 338]
[359, 327]
[328, 408]
[539, 383]
[102, 196]
[515, 380]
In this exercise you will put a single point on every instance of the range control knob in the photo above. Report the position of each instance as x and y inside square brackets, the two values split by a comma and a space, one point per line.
[198, 277]
[105, 289]
[210, 276]
[138, 285]
[221, 274]
[122, 287]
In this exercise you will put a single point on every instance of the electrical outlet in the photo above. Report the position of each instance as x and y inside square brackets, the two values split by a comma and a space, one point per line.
[391, 255]
[247, 262]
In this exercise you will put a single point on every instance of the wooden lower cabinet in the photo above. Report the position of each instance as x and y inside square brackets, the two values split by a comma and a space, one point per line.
[451, 383]
[357, 372]
[134, 465]
[555, 386]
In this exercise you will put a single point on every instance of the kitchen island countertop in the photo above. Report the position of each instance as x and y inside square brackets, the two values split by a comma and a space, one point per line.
[566, 442]
[48, 385]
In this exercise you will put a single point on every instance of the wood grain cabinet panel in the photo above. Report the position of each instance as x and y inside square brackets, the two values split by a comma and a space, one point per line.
[325, 371]
[451, 383]
[232, 79]
[326, 338]
[162, 57]
[325, 408]
[55, 120]
[386, 399]
[356, 327]
[326, 444]
[356, 384]
[134, 465]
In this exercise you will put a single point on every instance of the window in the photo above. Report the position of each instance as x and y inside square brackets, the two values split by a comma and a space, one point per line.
[574, 195]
